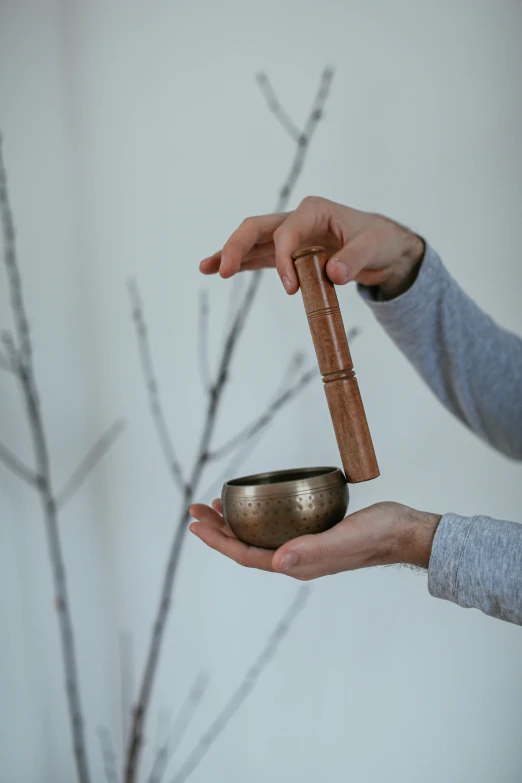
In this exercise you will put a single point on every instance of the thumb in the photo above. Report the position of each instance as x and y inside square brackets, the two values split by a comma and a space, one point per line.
[346, 264]
[301, 553]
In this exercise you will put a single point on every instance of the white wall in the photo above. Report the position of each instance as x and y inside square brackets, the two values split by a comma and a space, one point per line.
[136, 140]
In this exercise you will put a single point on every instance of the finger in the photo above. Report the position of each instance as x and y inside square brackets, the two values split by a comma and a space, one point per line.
[309, 220]
[296, 556]
[211, 516]
[208, 515]
[262, 251]
[346, 264]
[251, 231]
[247, 556]
[210, 265]
[216, 505]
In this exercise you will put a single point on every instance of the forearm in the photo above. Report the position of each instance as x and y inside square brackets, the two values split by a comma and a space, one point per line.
[476, 562]
[471, 364]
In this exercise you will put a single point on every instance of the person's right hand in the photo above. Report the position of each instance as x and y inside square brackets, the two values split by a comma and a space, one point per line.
[367, 248]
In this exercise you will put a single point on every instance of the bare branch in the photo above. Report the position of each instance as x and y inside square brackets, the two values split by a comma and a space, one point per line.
[241, 452]
[315, 116]
[12, 358]
[282, 399]
[162, 728]
[17, 467]
[185, 716]
[110, 764]
[293, 367]
[235, 297]
[266, 418]
[202, 457]
[89, 462]
[45, 489]
[10, 362]
[155, 405]
[245, 688]
[204, 364]
[126, 681]
[276, 108]
[11, 265]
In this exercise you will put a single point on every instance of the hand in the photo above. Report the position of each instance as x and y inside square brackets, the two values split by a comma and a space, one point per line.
[382, 534]
[367, 248]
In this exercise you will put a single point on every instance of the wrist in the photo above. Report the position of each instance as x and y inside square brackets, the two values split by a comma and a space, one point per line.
[403, 272]
[420, 529]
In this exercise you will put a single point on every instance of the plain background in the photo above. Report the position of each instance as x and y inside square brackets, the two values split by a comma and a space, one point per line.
[136, 140]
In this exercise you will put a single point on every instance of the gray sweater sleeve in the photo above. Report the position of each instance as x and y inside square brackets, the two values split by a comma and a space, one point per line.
[474, 367]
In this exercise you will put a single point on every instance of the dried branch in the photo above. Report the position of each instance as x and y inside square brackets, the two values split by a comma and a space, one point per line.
[156, 407]
[315, 116]
[110, 764]
[126, 681]
[204, 364]
[45, 488]
[202, 457]
[136, 737]
[89, 462]
[291, 370]
[185, 716]
[261, 422]
[11, 360]
[276, 108]
[17, 467]
[245, 688]
[235, 296]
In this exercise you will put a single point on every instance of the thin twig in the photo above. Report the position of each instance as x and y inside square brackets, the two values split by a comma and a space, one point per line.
[136, 735]
[202, 457]
[11, 265]
[12, 359]
[89, 462]
[17, 467]
[245, 688]
[162, 728]
[156, 407]
[305, 138]
[188, 709]
[241, 453]
[266, 418]
[234, 298]
[204, 364]
[110, 764]
[45, 488]
[276, 108]
[6, 364]
[126, 681]
[291, 370]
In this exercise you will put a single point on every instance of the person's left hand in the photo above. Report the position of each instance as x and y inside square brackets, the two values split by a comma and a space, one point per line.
[382, 534]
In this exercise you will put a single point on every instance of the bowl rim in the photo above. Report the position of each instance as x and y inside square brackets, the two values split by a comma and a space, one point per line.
[322, 477]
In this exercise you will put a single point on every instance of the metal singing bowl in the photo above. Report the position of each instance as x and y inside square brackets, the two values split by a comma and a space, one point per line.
[268, 509]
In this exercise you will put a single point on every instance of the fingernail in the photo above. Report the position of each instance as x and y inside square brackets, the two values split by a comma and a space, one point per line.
[289, 561]
[343, 269]
[193, 529]
[286, 282]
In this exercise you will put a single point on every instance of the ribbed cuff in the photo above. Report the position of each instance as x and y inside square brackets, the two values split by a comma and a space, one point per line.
[447, 552]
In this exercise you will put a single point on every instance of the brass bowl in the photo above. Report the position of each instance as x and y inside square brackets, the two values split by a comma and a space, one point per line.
[268, 509]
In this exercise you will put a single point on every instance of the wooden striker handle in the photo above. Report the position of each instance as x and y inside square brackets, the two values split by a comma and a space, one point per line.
[335, 363]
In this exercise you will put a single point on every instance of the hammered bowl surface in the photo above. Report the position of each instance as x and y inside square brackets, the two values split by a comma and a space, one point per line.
[268, 509]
